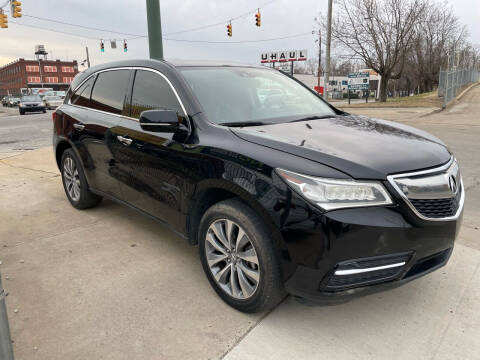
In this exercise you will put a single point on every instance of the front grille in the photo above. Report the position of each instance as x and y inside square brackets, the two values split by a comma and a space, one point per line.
[339, 282]
[437, 208]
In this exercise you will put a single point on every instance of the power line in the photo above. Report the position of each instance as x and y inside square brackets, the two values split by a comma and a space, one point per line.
[82, 26]
[241, 41]
[169, 39]
[136, 36]
[221, 22]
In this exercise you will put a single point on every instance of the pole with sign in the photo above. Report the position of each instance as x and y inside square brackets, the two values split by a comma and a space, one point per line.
[358, 81]
[283, 58]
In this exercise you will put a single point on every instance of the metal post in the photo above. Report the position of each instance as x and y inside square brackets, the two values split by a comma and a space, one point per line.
[348, 96]
[329, 42]
[291, 68]
[6, 351]
[40, 71]
[319, 58]
[88, 57]
[155, 43]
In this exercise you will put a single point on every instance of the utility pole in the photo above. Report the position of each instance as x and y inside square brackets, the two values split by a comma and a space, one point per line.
[319, 58]
[329, 43]
[88, 57]
[155, 43]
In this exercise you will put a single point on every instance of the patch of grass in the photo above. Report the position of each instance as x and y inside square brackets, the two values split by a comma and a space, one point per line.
[429, 99]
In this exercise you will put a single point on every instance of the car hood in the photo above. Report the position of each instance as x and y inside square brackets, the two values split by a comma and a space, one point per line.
[361, 147]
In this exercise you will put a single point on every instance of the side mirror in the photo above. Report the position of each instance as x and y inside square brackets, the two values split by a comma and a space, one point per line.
[166, 121]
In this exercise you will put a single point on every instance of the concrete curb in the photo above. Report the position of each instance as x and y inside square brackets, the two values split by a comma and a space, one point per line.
[459, 97]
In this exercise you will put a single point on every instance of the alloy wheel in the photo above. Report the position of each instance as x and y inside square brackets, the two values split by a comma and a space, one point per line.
[232, 259]
[72, 178]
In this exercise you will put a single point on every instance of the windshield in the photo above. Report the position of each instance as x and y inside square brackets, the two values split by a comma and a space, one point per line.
[31, 98]
[252, 95]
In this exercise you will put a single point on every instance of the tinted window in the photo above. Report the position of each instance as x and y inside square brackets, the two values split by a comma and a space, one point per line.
[81, 97]
[151, 91]
[109, 91]
[231, 94]
[30, 99]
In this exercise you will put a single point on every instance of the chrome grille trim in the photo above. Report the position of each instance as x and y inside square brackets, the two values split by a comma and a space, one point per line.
[442, 169]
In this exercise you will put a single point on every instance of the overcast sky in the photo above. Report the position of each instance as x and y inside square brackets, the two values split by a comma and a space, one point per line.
[279, 18]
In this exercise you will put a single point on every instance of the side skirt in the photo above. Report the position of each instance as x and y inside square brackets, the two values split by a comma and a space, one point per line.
[128, 205]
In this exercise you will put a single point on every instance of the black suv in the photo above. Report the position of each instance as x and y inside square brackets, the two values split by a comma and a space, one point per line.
[282, 192]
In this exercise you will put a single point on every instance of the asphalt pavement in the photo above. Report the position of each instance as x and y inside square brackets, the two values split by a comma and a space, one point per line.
[20, 133]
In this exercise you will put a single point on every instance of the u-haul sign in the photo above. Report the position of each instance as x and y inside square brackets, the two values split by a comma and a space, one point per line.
[283, 56]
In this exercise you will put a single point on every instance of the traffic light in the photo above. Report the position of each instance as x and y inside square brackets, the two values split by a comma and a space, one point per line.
[229, 29]
[16, 8]
[3, 20]
[125, 47]
[258, 18]
[102, 46]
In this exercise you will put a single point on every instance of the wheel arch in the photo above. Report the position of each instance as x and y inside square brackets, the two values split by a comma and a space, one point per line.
[60, 149]
[211, 191]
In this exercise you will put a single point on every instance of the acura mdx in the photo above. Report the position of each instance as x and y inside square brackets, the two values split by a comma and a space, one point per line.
[282, 192]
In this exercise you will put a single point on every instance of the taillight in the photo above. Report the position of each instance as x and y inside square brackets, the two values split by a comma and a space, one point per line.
[54, 115]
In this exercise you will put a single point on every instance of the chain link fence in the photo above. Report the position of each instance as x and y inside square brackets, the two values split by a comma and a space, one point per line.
[450, 82]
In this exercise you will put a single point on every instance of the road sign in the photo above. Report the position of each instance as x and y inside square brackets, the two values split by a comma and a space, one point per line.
[283, 56]
[358, 81]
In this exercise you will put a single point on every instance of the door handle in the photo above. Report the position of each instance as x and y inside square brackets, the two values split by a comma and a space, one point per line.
[79, 127]
[124, 140]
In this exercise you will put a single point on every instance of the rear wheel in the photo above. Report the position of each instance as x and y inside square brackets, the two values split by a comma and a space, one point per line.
[75, 183]
[239, 258]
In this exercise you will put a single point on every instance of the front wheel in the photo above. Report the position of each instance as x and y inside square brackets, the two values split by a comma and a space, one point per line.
[239, 257]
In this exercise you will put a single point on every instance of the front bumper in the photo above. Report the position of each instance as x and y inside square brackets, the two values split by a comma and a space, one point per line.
[32, 108]
[363, 238]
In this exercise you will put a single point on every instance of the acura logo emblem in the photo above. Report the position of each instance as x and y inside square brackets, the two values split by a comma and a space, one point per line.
[452, 184]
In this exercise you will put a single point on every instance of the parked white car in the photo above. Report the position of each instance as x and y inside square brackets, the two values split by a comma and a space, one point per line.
[52, 102]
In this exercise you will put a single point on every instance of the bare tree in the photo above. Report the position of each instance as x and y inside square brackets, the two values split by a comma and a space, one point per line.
[380, 32]
[437, 28]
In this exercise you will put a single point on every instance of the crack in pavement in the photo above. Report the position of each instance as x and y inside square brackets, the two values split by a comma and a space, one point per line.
[25, 168]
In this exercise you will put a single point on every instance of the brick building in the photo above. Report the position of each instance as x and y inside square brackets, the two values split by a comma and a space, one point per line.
[22, 74]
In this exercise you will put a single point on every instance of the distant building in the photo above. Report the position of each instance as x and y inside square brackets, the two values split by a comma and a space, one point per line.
[27, 74]
[339, 84]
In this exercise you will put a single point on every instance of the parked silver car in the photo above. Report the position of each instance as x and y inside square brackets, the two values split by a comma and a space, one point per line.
[52, 102]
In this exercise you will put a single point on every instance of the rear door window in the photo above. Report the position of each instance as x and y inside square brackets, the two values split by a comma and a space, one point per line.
[152, 92]
[81, 97]
[110, 90]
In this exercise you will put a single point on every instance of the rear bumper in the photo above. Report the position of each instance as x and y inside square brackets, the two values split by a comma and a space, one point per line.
[383, 248]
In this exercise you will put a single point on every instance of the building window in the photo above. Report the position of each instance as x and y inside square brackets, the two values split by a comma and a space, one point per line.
[67, 80]
[51, 79]
[32, 68]
[34, 79]
[50, 68]
[67, 69]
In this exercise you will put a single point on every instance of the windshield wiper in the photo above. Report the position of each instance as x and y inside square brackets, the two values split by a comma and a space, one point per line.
[314, 117]
[243, 123]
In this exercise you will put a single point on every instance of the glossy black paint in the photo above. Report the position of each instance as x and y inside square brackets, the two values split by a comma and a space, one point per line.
[172, 176]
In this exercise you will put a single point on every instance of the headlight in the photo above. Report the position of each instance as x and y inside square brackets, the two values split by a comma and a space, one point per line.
[330, 194]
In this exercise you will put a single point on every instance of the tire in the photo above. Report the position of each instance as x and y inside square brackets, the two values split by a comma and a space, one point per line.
[80, 197]
[22, 112]
[269, 290]
[44, 111]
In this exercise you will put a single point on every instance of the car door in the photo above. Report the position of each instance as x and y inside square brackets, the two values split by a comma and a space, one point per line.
[96, 109]
[152, 161]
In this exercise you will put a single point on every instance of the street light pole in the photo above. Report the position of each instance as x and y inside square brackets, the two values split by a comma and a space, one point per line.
[329, 42]
[155, 43]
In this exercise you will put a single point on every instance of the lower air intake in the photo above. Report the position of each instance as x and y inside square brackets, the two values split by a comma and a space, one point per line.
[367, 271]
